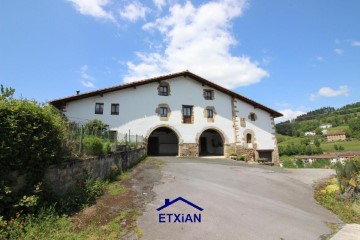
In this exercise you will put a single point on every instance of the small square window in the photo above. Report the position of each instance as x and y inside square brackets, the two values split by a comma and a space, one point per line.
[208, 94]
[99, 108]
[163, 111]
[210, 113]
[114, 109]
[163, 91]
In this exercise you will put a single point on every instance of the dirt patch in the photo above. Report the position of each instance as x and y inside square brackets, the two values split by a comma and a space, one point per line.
[129, 204]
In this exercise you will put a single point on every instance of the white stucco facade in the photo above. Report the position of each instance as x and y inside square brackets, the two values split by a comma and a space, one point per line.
[138, 113]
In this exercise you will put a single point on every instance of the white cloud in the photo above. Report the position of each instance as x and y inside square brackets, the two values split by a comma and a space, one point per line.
[86, 79]
[87, 84]
[289, 114]
[355, 43]
[159, 3]
[338, 51]
[94, 8]
[329, 92]
[319, 58]
[134, 11]
[198, 39]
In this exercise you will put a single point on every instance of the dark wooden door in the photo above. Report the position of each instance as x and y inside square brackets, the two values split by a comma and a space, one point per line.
[153, 146]
[203, 145]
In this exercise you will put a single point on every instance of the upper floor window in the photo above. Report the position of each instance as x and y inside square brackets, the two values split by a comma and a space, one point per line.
[210, 113]
[208, 94]
[114, 109]
[164, 89]
[187, 114]
[252, 116]
[163, 111]
[99, 108]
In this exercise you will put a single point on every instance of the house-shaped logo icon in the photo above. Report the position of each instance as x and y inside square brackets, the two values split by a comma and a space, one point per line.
[181, 217]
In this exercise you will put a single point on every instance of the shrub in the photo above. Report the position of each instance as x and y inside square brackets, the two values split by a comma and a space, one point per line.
[287, 163]
[31, 137]
[241, 157]
[299, 163]
[320, 163]
[107, 147]
[93, 146]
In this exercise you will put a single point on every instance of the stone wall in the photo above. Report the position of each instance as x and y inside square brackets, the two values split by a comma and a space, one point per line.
[62, 177]
[188, 150]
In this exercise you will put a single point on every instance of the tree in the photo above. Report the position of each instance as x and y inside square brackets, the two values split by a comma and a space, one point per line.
[354, 126]
[95, 127]
[6, 93]
[317, 142]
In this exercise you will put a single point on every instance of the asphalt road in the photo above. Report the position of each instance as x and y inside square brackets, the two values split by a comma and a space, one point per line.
[239, 202]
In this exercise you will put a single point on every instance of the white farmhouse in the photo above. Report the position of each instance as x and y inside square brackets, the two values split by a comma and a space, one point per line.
[181, 114]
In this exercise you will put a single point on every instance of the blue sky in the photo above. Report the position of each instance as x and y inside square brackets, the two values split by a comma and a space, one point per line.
[293, 56]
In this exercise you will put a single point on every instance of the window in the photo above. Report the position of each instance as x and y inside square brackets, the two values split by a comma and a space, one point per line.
[163, 111]
[99, 108]
[210, 113]
[187, 113]
[248, 138]
[252, 116]
[163, 91]
[208, 94]
[114, 109]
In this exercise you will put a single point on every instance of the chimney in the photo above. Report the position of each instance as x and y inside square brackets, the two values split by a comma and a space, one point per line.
[167, 201]
[77, 92]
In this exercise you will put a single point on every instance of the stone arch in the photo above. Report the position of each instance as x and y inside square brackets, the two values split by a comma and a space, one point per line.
[147, 139]
[211, 141]
[162, 141]
[221, 133]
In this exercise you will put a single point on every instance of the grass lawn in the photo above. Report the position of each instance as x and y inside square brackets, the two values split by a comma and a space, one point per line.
[348, 146]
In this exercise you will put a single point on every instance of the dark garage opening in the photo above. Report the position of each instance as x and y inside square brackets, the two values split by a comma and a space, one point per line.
[265, 155]
[211, 143]
[163, 142]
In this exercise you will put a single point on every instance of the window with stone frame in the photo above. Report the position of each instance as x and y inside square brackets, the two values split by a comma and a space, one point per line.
[209, 113]
[163, 111]
[208, 94]
[187, 114]
[252, 116]
[164, 89]
[99, 108]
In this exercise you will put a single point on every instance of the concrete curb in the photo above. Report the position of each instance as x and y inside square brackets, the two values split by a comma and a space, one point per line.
[348, 232]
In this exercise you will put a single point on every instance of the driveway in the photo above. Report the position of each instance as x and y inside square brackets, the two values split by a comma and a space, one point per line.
[240, 201]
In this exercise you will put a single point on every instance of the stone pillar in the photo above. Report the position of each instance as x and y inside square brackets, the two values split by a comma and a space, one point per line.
[188, 150]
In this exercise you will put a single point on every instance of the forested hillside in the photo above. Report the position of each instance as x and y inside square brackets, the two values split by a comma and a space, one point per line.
[346, 119]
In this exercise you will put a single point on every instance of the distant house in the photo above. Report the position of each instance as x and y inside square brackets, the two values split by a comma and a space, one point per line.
[325, 125]
[309, 133]
[309, 159]
[333, 157]
[324, 132]
[333, 136]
